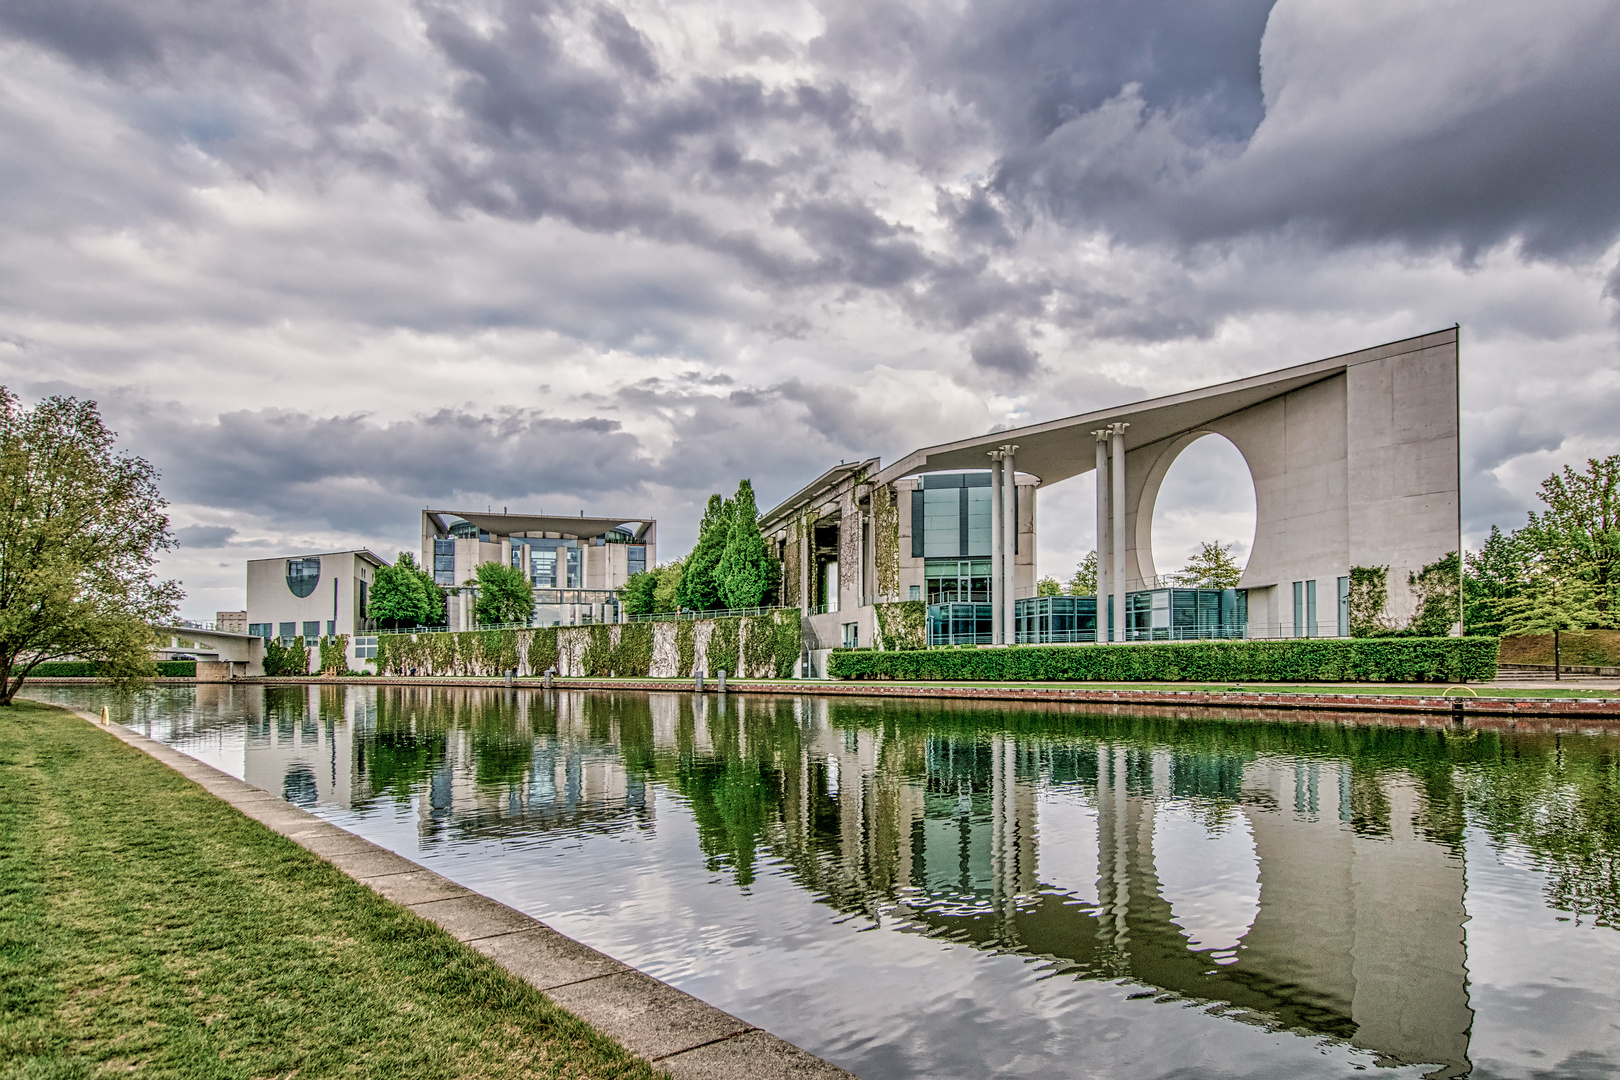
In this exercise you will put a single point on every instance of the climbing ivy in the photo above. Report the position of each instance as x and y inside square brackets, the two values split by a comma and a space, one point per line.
[724, 642]
[1369, 594]
[335, 655]
[758, 646]
[886, 540]
[789, 642]
[685, 647]
[902, 625]
[634, 655]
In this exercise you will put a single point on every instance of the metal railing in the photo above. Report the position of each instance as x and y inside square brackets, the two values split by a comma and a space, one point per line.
[717, 613]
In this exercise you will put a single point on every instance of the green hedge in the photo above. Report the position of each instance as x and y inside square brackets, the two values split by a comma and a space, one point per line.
[85, 669]
[1320, 660]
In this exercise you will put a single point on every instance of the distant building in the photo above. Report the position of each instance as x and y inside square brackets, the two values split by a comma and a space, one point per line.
[308, 597]
[231, 622]
[574, 564]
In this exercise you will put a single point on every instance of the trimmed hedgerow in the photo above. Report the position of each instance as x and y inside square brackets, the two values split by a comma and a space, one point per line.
[1321, 660]
[86, 669]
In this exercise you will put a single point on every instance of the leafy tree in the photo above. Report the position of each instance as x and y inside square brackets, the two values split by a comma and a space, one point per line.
[639, 594]
[1578, 535]
[1211, 568]
[504, 595]
[700, 583]
[1369, 595]
[1084, 581]
[282, 659]
[1048, 586]
[666, 596]
[80, 529]
[746, 571]
[405, 595]
[1549, 604]
[1435, 589]
[1494, 573]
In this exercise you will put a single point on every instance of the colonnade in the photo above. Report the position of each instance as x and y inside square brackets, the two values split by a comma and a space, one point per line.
[1003, 542]
[1111, 530]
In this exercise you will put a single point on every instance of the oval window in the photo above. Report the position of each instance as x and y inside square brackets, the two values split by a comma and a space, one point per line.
[302, 575]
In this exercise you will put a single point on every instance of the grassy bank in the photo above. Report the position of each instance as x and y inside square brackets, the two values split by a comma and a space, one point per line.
[1596, 648]
[146, 926]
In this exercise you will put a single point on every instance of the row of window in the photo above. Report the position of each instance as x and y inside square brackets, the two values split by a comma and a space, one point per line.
[288, 631]
[1305, 610]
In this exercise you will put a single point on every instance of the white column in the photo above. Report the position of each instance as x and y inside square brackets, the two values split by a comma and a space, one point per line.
[1118, 507]
[996, 636]
[1009, 544]
[1104, 563]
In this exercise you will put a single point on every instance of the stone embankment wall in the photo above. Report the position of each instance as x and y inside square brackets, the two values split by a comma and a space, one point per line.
[751, 646]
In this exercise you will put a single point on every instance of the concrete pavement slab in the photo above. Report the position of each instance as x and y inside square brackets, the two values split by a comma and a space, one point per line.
[468, 918]
[649, 1017]
[753, 1055]
[415, 887]
[369, 864]
[547, 959]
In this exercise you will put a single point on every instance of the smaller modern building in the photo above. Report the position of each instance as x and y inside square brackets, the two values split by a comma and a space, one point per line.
[308, 597]
[576, 565]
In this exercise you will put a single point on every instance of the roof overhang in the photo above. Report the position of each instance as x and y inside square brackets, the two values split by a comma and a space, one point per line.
[814, 491]
[578, 528]
[1058, 449]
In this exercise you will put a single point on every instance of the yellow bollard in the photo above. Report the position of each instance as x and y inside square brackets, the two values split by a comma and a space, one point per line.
[104, 715]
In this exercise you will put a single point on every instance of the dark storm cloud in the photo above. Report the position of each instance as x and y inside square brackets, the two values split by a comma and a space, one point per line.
[1532, 157]
[350, 472]
[1002, 351]
[204, 536]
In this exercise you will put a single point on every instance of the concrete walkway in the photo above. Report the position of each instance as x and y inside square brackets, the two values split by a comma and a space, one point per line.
[682, 1036]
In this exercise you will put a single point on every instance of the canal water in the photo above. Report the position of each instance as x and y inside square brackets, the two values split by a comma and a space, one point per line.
[937, 889]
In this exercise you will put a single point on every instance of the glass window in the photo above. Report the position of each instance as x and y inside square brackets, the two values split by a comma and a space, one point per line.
[543, 568]
[636, 558]
[260, 630]
[365, 648]
[1299, 608]
[444, 562]
[331, 628]
[1310, 608]
[978, 521]
[302, 575]
[852, 635]
[289, 630]
[957, 581]
[312, 630]
[1344, 607]
[942, 522]
[916, 592]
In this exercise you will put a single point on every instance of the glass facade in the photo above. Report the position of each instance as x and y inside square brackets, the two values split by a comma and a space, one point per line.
[302, 575]
[444, 562]
[957, 581]
[950, 516]
[960, 624]
[261, 630]
[1151, 615]
[1056, 620]
[635, 558]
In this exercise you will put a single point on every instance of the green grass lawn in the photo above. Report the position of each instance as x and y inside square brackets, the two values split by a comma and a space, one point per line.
[146, 926]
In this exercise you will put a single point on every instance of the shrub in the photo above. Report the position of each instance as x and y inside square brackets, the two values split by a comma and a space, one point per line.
[86, 669]
[1293, 660]
[282, 659]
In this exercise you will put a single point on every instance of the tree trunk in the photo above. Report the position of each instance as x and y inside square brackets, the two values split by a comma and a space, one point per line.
[1558, 665]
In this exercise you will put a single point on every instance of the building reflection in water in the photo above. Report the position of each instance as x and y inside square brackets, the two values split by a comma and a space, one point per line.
[931, 821]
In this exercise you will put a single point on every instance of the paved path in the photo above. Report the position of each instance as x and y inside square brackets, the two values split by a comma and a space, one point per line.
[682, 1036]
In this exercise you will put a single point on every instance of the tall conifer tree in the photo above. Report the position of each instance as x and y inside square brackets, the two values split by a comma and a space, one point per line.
[700, 584]
[745, 572]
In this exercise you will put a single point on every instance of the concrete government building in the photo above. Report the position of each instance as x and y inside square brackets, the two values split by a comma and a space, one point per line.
[1354, 461]
[576, 565]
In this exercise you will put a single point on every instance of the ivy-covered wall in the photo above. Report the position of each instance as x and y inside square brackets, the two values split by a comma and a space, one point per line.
[903, 625]
[758, 646]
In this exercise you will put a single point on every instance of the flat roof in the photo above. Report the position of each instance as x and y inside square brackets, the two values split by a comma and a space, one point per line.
[580, 527]
[1058, 449]
[364, 553]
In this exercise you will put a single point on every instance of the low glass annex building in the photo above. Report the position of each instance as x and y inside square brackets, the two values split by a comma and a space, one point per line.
[1171, 614]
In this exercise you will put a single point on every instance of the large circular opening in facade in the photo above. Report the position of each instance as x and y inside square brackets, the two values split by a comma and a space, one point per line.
[1207, 498]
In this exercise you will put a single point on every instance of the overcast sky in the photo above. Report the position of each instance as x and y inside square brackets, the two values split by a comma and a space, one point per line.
[327, 262]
